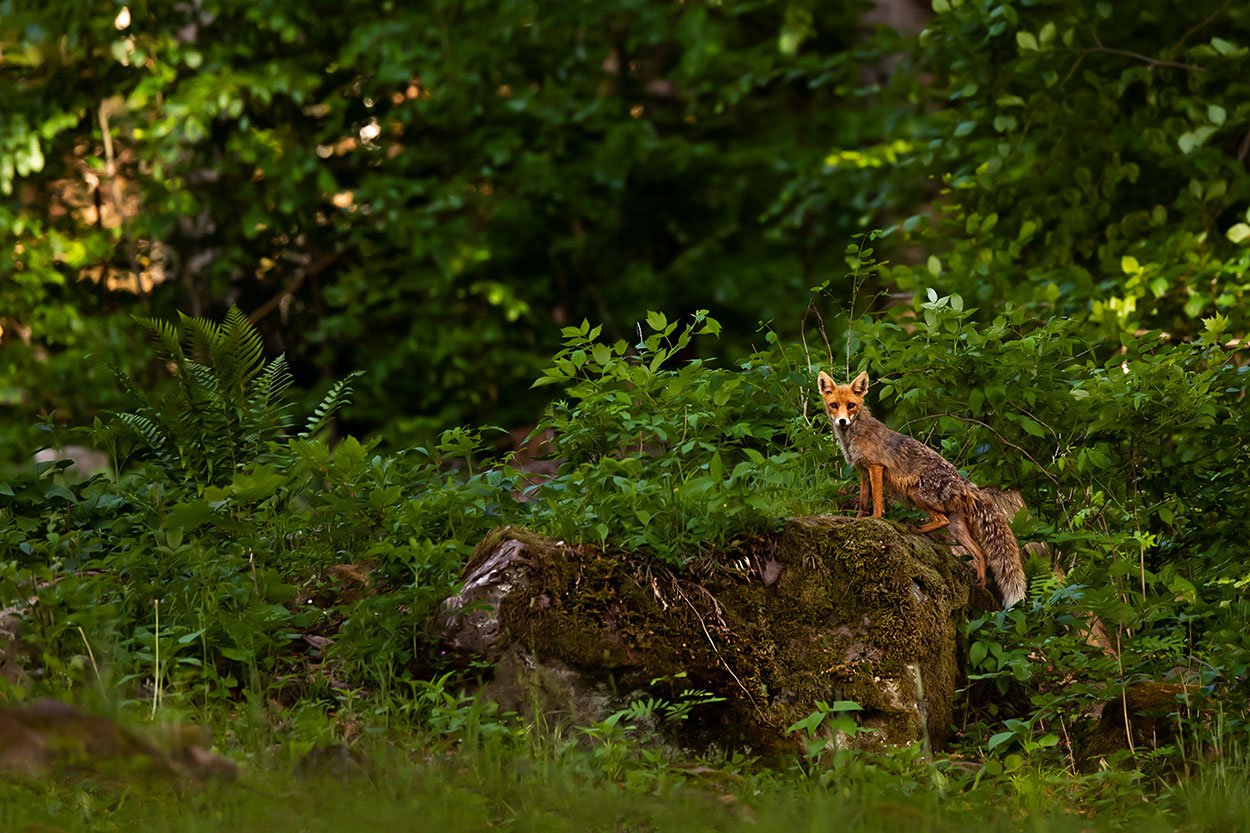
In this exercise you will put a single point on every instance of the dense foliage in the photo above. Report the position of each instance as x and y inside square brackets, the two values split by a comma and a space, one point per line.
[436, 197]
[421, 191]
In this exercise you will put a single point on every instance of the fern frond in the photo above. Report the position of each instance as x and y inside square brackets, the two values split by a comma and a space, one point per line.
[243, 349]
[227, 407]
[339, 395]
[202, 388]
[272, 383]
[151, 435]
[1042, 580]
[167, 334]
[264, 398]
[265, 416]
[206, 337]
[126, 383]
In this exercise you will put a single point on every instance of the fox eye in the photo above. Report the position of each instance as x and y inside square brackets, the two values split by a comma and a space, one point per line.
[850, 406]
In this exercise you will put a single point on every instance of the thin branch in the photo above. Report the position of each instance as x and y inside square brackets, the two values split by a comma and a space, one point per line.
[1202, 25]
[1072, 70]
[293, 287]
[115, 191]
[712, 643]
[1154, 62]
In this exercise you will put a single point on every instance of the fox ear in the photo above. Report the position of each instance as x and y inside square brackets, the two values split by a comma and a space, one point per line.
[825, 382]
[860, 386]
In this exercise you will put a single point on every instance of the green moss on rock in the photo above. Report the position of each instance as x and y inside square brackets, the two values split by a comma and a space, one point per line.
[862, 611]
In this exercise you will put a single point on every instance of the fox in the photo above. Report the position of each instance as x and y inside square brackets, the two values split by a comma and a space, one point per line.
[918, 476]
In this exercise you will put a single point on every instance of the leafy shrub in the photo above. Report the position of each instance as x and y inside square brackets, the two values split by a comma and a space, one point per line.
[677, 457]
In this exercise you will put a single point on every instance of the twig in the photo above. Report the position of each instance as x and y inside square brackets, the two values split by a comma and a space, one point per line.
[115, 191]
[293, 287]
[820, 327]
[712, 642]
[1072, 70]
[1154, 62]
[1202, 25]
[1128, 728]
[91, 656]
[1068, 745]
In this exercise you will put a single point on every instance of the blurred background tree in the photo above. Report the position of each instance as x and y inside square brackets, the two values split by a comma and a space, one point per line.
[422, 191]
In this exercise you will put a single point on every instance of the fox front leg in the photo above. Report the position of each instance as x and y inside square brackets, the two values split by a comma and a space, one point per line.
[865, 493]
[878, 492]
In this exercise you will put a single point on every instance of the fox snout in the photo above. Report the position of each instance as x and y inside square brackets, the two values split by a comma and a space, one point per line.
[841, 415]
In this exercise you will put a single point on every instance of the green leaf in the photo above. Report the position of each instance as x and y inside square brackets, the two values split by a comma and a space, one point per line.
[999, 739]
[1224, 47]
[1215, 326]
[187, 516]
[1026, 41]
[256, 485]
[59, 491]
[935, 265]
[1129, 265]
[976, 654]
[657, 320]
[1192, 139]
[1239, 233]
[808, 724]
[1216, 113]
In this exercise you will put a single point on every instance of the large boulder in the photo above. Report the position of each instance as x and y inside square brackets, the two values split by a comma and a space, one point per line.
[830, 608]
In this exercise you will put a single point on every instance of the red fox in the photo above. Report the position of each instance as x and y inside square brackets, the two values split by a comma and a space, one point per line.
[918, 476]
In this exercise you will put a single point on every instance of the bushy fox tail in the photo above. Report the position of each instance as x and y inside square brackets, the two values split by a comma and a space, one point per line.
[991, 527]
[1008, 502]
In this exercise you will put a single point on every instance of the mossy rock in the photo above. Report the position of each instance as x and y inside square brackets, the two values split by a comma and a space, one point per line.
[47, 737]
[1141, 717]
[861, 611]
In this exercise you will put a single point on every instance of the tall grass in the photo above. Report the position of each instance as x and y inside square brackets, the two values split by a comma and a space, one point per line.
[520, 782]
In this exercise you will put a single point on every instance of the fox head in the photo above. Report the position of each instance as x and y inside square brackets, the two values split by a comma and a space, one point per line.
[842, 402]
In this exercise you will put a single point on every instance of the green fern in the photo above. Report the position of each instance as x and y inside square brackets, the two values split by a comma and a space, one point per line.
[227, 407]
[1043, 581]
[338, 396]
[150, 433]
